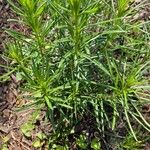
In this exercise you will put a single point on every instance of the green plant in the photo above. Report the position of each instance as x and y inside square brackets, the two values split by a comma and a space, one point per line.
[130, 143]
[95, 144]
[40, 140]
[82, 56]
[29, 126]
[82, 141]
[5, 141]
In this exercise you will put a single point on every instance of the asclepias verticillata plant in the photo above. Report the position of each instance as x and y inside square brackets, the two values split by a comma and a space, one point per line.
[82, 57]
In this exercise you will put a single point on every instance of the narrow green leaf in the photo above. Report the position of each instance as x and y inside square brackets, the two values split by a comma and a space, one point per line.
[98, 64]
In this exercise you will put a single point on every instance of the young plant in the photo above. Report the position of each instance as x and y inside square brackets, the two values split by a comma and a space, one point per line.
[82, 57]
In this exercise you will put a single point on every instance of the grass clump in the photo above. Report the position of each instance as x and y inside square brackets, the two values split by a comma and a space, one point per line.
[80, 60]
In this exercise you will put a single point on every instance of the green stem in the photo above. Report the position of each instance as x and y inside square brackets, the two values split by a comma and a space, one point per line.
[114, 116]
[126, 114]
